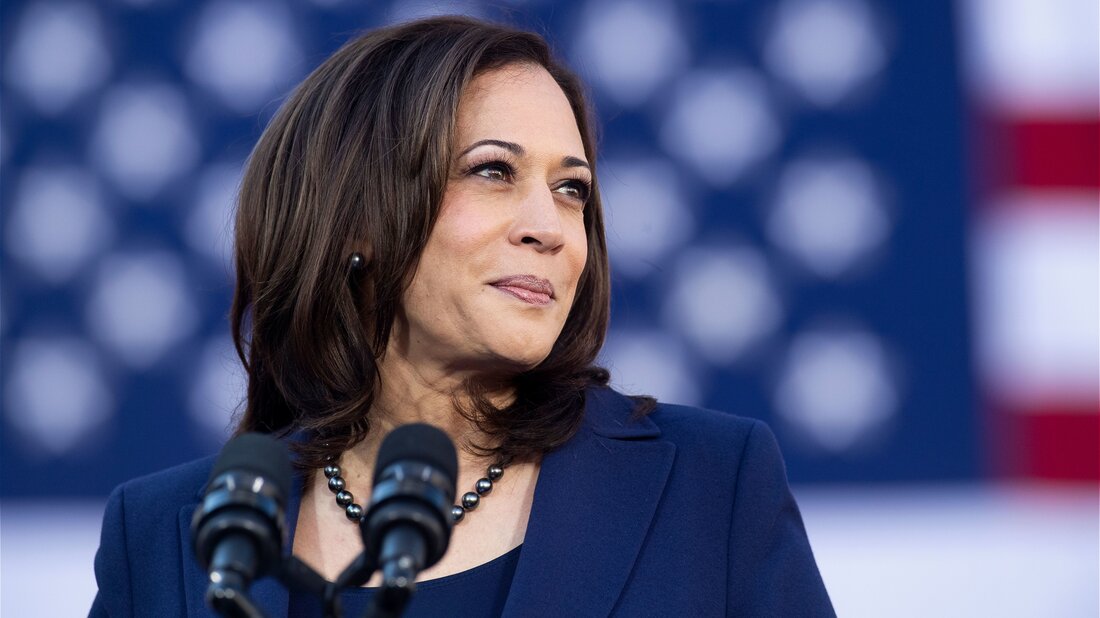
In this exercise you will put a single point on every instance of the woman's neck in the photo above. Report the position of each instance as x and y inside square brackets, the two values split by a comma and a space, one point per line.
[420, 392]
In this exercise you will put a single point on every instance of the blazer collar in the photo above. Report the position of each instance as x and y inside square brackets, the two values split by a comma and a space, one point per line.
[593, 504]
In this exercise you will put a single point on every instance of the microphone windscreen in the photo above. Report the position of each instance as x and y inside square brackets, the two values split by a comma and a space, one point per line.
[259, 454]
[418, 442]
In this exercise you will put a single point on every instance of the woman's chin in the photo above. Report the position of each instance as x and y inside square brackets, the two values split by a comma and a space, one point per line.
[514, 359]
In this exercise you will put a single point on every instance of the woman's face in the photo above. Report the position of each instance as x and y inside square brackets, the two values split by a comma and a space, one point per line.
[498, 276]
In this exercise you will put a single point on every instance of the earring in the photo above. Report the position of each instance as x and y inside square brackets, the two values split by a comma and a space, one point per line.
[357, 262]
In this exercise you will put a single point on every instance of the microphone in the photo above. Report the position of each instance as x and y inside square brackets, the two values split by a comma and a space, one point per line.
[408, 524]
[239, 529]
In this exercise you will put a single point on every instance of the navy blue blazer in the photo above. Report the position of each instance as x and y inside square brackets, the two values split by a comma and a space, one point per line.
[685, 512]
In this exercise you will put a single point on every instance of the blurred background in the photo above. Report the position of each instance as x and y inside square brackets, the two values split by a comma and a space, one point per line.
[874, 225]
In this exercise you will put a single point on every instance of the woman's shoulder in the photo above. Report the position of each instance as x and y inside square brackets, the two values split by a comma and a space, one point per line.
[705, 438]
[611, 408]
[705, 421]
[176, 486]
[141, 541]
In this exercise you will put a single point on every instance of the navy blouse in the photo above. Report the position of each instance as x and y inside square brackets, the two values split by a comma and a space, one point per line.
[479, 592]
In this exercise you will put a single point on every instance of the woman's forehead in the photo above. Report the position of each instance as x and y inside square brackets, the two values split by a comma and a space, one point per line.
[520, 103]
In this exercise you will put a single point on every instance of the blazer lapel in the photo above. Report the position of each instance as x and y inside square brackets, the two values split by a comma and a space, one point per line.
[194, 578]
[593, 505]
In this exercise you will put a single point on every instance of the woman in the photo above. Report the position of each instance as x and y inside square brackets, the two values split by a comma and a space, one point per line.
[420, 239]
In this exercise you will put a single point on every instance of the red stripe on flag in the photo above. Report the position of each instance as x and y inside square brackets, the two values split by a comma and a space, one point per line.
[1054, 443]
[1046, 153]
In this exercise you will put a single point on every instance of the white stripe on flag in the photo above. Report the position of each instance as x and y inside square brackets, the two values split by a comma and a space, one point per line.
[1033, 56]
[1037, 288]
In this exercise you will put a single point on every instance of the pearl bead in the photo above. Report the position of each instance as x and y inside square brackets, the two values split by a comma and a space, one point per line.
[457, 513]
[331, 471]
[336, 484]
[495, 472]
[344, 497]
[483, 487]
[470, 500]
[354, 512]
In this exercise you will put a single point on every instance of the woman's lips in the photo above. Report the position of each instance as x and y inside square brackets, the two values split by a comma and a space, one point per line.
[528, 288]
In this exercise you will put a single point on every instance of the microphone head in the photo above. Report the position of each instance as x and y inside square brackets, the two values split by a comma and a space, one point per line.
[259, 454]
[244, 499]
[418, 442]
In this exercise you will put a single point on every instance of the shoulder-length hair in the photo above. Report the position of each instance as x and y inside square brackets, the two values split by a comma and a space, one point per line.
[357, 160]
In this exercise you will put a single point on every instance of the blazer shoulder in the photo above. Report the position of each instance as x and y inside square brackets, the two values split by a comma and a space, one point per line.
[702, 420]
[139, 545]
[703, 426]
[615, 414]
[178, 485]
[711, 436]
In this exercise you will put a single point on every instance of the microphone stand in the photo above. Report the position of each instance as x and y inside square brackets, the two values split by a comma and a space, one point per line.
[392, 596]
[226, 596]
[233, 602]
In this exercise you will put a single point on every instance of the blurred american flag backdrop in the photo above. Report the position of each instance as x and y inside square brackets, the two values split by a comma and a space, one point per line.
[874, 225]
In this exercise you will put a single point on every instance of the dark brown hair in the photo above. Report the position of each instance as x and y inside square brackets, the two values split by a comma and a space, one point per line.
[357, 160]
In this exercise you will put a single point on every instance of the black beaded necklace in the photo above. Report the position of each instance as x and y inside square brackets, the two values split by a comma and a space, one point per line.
[469, 502]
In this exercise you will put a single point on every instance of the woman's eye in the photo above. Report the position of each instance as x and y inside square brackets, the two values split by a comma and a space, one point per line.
[576, 189]
[494, 171]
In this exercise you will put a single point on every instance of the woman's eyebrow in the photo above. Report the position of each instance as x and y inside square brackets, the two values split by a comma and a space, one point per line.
[575, 162]
[509, 146]
[519, 151]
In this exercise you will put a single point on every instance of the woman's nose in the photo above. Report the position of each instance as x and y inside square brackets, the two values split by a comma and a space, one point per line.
[538, 222]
